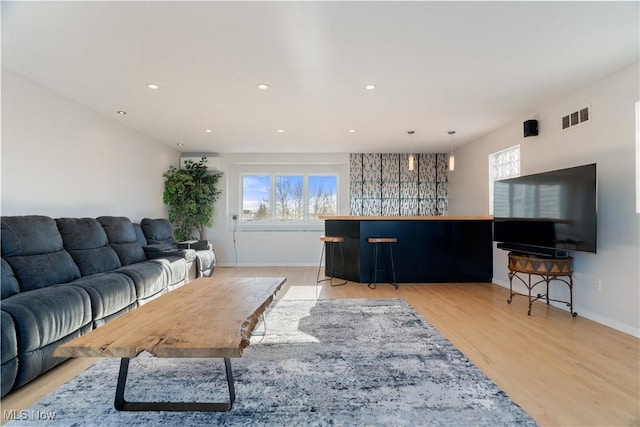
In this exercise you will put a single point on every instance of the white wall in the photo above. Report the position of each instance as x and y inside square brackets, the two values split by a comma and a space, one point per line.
[608, 140]
[271, 248]
[60, 158]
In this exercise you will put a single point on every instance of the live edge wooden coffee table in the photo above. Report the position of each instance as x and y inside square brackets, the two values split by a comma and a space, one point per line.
[207, 318]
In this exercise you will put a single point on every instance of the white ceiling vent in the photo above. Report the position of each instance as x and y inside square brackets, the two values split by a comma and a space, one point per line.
[576, 118]
[214, 163]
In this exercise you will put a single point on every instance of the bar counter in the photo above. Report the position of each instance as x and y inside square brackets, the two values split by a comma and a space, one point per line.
[430, 249]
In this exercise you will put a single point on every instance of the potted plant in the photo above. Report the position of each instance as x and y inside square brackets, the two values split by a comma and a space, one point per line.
[190, 195]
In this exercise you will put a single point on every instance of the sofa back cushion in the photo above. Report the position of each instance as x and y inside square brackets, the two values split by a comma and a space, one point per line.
[8, 281]
[33, 248]
[122, 238]
[87, 243]
[140, 235]
[158, 231]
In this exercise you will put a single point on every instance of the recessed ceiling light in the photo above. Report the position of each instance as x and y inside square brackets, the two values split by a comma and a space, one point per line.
[153, 86]
[263, 86]
[370, 87]
[208, 130]
[352, 131]
[122, 113]
[280, 130]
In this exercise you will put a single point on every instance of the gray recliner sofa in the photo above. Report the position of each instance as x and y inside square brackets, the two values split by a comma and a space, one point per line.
[62, 278]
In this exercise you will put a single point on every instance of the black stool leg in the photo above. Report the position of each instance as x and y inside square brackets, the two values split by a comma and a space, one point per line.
[333, 262]
[324, 249]
[393, 269]
[329, 251]
[374, 266]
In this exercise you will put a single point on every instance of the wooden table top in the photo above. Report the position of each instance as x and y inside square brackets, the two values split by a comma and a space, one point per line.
[208, 317]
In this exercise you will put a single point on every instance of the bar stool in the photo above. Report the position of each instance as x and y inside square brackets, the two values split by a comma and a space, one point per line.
[390, 270]
[330, 243]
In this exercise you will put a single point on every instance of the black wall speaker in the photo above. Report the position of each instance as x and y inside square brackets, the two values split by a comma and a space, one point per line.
[530, 128]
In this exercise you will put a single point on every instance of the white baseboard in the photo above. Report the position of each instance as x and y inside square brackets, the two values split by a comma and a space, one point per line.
[586, 314]
[266, 265]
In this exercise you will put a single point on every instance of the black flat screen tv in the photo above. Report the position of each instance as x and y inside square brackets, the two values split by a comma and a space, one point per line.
[547, 214]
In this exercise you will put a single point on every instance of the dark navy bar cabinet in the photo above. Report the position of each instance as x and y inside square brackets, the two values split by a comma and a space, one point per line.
[429, 248]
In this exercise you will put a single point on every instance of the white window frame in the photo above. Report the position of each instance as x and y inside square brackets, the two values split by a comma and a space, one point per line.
[238, 169]
[494, 169]
[306, 222]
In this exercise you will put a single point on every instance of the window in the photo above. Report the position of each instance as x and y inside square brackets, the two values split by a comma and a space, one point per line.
[288, 197]
[503, 164]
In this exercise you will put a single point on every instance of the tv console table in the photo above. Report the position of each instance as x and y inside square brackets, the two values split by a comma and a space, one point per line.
[548, 269]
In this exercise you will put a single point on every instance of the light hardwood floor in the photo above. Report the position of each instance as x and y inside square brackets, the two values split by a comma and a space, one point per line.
[562, 371]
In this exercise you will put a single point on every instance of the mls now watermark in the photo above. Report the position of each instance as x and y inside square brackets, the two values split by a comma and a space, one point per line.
[24, 415]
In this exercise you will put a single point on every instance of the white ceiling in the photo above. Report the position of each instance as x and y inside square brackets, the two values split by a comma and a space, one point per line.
[472, 67]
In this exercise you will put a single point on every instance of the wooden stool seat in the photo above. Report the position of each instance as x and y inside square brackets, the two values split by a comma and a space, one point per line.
[332, 239]
[384, 242]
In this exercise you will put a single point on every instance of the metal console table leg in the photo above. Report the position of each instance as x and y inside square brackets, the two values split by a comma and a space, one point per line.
[548, 269]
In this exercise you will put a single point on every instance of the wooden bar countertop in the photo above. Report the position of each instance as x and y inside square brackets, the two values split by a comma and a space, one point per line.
[408, 218]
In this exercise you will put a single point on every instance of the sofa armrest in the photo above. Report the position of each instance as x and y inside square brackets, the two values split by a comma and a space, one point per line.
[197, 245]
[186, 254]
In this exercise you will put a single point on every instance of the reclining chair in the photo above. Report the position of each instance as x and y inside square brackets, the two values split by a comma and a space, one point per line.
[159, 237]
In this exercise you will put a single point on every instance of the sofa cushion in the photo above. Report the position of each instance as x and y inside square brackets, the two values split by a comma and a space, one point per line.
[33, 247]
[40, 271]
[87, 243]
[205, 261]
[9, 349]
[149, 279]
[34, 363]
[158, 231]
[29, 235]
[175, 270]
[8, 281]
[122, 238]
[44, 316]
[142, 239]
[110, 293]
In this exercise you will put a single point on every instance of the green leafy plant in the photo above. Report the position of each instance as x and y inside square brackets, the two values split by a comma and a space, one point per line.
[190, 195]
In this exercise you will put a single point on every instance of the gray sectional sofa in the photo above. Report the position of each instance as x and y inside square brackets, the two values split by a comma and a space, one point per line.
[64, 277]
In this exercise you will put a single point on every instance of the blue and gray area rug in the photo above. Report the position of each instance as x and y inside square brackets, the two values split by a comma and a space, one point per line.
[326, 362]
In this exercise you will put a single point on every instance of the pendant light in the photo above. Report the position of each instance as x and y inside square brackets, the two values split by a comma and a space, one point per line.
[411, 158]
[452, 160]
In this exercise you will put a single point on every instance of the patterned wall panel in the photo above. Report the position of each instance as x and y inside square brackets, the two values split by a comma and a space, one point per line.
[372, 190]
[355, 188]
[443, 168]
[427, 170]
[409, 207]
[390, 207]
[390, 190]
[405, 173]
[355, 207]
[371, 167]
[390, 167]
[355, 167]
[382, 184]
[409, 190]
[371, 207]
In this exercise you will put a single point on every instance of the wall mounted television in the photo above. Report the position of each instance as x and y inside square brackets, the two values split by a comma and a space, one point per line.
[547, 214]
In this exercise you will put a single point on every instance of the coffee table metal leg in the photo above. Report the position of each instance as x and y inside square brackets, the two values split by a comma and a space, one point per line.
[122, 405]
